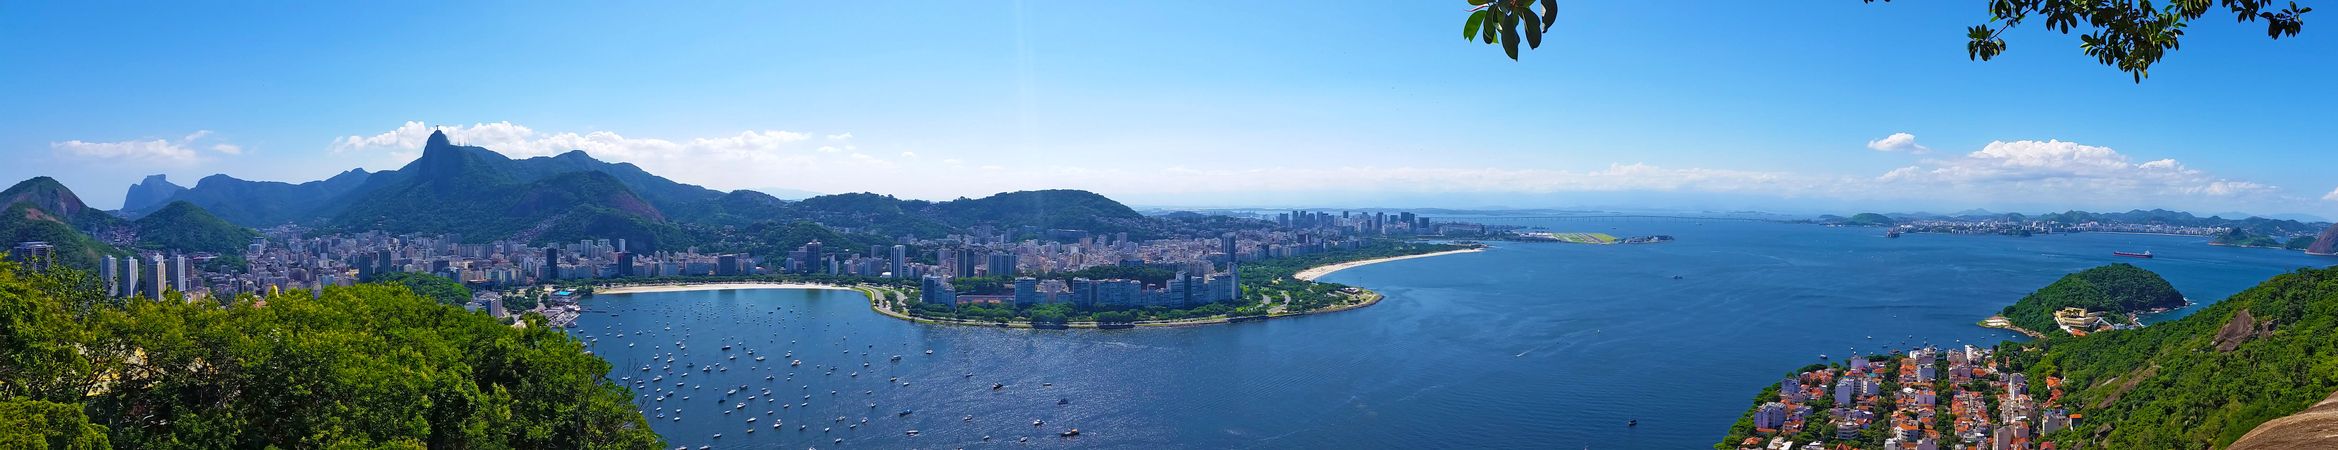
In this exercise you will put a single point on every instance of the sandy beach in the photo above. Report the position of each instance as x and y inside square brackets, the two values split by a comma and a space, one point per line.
[1318, 272]
[646, 288]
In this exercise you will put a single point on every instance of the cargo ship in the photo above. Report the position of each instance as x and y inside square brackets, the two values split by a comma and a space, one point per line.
[2145, 254]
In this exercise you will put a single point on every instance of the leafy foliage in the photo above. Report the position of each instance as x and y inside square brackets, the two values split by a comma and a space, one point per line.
[1506, 21]
[2128, 35]
[364, 366]
[38, 424]
[443, 289]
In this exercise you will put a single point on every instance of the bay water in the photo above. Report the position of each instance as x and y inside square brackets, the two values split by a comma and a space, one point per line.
[1526, 345]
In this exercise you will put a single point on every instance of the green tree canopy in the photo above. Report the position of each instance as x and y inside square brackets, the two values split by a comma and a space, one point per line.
[2126, 34]
[367, 366]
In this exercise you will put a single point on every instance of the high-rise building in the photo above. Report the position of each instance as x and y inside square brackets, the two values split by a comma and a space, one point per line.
[108, 273]
[963, 265]
[1232, 253]
[726, 265]
[178, 274]
[1026, 291]
[813, 255]
[1001, 264]
[900, 263]
[35, 255]
[161, 276]
[129, 274]
[551, 262]
[624, 261]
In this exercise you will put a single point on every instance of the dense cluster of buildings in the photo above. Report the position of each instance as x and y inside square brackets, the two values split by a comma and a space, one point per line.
[1926, 399]
[288, 257]
[150, 275]
[2005, 226]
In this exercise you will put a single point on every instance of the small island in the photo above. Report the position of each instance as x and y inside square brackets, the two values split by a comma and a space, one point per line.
[2102, 298]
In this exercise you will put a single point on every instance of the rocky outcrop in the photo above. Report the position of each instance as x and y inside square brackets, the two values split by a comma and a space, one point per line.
[2240, 330]
[2316, 427]
[149, 193]
[2325, 244]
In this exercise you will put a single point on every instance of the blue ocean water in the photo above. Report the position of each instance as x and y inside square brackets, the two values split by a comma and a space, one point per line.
[1526, 345]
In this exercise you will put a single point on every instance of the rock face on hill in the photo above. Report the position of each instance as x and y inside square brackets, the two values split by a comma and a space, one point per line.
[2326, 244]
[151, 192]
[2316, 427]
[41, 209]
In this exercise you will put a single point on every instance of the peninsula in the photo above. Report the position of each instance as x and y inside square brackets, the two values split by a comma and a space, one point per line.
[2230, 371]
[2103, 298]
[1139, 296]
[1313, 273]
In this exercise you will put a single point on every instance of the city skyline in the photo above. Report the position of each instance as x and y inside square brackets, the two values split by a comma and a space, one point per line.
[1876, 110]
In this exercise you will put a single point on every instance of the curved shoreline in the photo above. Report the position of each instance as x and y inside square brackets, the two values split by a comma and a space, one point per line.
[1368, 298]
[649, 288]
[1313, 273]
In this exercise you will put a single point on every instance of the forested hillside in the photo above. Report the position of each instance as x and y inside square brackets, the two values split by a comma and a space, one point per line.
[2115, 289]
[2203, 380]
[183, 226]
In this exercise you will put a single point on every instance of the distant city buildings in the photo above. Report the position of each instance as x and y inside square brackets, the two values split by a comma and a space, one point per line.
[1029, 261]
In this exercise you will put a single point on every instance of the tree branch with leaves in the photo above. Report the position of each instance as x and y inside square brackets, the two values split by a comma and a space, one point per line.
[2130, 35]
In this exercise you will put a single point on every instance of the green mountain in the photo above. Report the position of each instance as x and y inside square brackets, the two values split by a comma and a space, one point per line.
[1868, 220]
[734, 208]
[481, 195]
[182, 226]
[53, 198]
[41, 209]
[1006, 212]
[262, 203]
[664, 193]
[2116, 289]
[474, 193]
[1057, 208]
[24, 222]
[2201, 381]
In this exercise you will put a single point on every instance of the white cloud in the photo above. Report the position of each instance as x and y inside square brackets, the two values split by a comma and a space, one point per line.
[2047, 169]
[178, 152]
[2332, 196]
[840, 137]
[1898, 142]
[150, 150]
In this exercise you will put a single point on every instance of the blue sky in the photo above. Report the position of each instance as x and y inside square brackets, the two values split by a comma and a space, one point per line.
[1734, 105]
